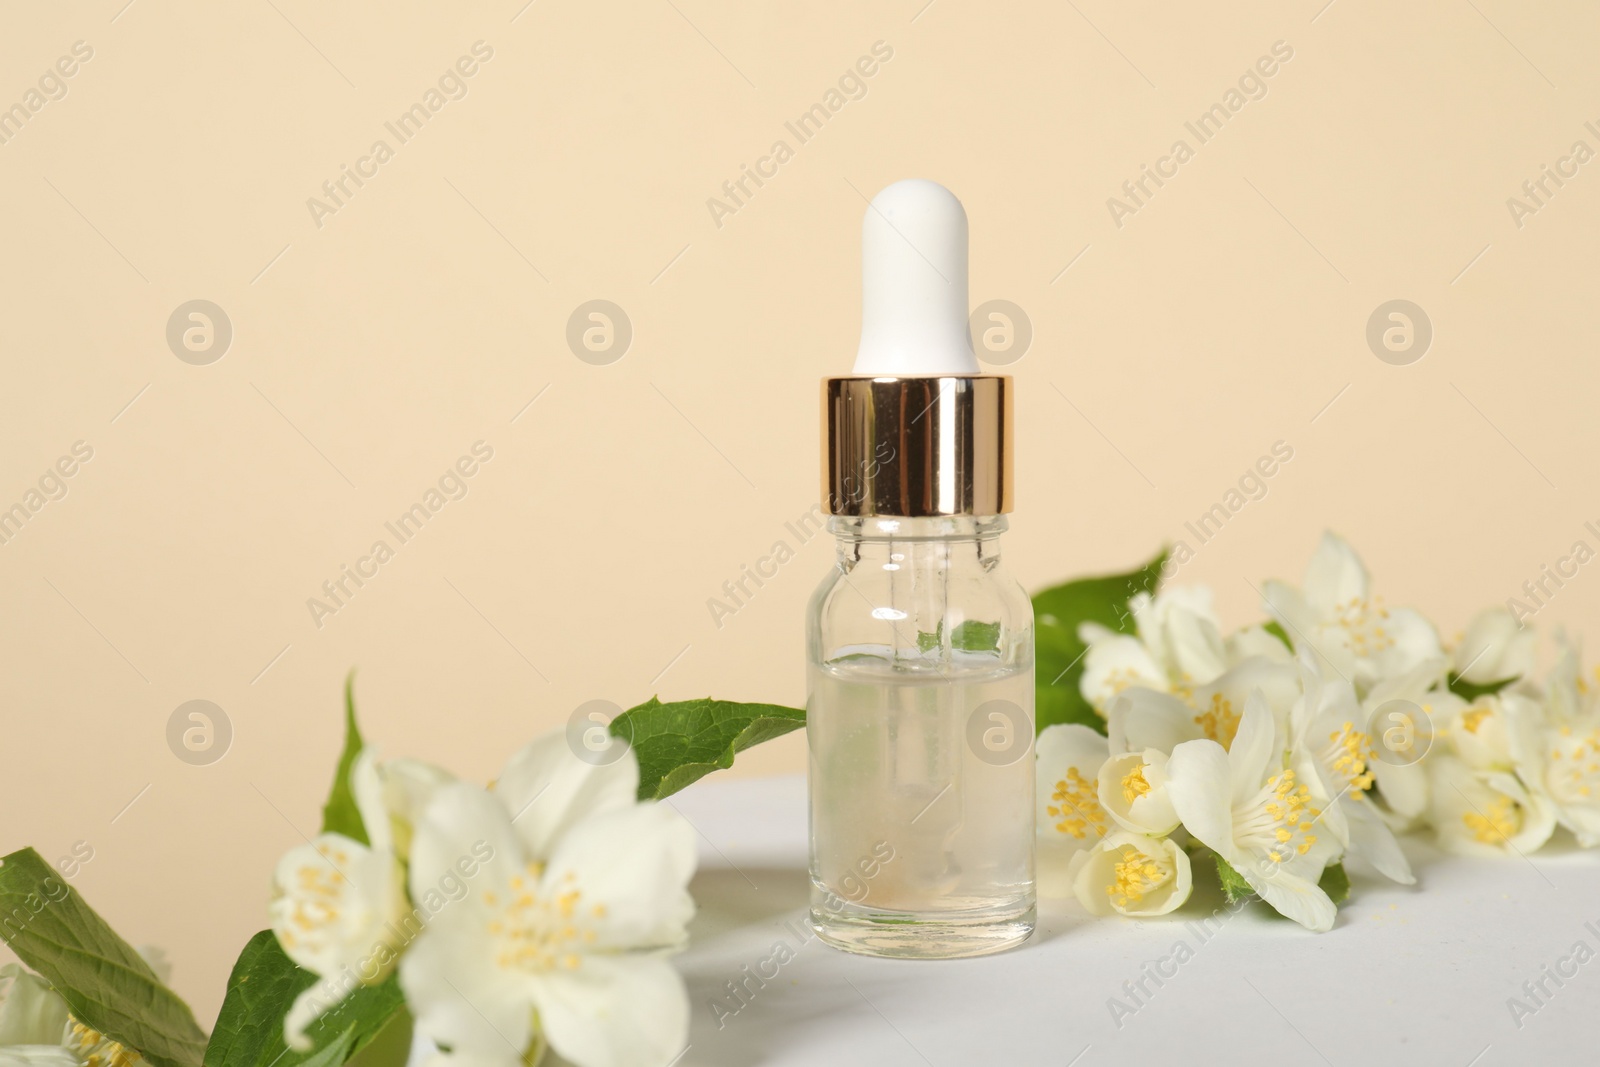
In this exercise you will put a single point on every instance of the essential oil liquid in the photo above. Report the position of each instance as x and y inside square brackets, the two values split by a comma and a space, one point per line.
[922, 811]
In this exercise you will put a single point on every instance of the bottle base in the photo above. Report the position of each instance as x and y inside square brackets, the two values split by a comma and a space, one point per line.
[903, 936]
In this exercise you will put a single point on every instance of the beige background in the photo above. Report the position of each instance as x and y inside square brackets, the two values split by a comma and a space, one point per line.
[1228, 313]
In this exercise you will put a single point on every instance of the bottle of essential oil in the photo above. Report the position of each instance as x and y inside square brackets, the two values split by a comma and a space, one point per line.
[920, 646]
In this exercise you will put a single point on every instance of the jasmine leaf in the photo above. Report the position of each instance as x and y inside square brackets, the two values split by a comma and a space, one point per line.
[340, 814]
[1470, 691]
[1234, 887]
[1335, 882]
[261, 990]
[974, 636]
[1057, 611]
[107, 985]
[1275, 628]
[682, 742]
[968, 636]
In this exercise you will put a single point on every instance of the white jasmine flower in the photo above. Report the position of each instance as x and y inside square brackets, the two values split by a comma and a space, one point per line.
[1178, 646]
[1485, 812]
[1406, 737]
[560, 942]
[90, 1048]
[33, 1021]
[407, 787]
[1560, 764]
[1131, 874]
[37, 1029]
[339, 907]
[1568, 698]
[1132, 789]
[1179, 626]
[1335, 615]
[1480, 732]
[1141, 718]
[1333, 754]
[1243, 804]
[1494, 647]
[1070, 817]
[1257, 641]
[1219, 705]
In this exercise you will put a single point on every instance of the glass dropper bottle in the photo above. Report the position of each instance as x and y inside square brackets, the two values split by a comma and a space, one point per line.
[920, 646]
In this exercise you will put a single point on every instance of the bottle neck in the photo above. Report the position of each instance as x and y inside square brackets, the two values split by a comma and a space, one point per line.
[886, 528]
[915, 545]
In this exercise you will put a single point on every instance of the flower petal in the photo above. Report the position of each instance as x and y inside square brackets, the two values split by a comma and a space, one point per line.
[1277, 679]
[1415, 642]
[1115, 663]
[1257, 750]
[464, 829]
[31, 1013]
[1404, 788]
[1067, 745]
[1068, 816]
[1413, 684]
[1198, 783]
[615, 1011]
[1484, 813]
[1290, 606]
[1132, 788]
[1495, 646]
[1100, 888]
[367, 789]
[1141, 718]
[462, 1002]
[1195, 645]
[461, 997]
[334, 904]
[1373, 841]
[1291, 896]
[548, 789]
[1256, 641]
[408, 786]
[36, 1056]
[1335, 576]
[629, 871]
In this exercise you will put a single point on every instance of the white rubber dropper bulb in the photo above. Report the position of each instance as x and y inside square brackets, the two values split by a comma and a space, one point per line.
[914, 284]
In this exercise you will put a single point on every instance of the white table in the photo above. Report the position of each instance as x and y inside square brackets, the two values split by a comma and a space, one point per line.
[1408, 976]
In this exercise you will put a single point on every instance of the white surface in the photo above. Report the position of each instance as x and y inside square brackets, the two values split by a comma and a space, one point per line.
[1408, 976]
[914, 283]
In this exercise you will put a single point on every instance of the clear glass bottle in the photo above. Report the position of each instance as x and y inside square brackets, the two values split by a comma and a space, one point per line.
[920, 726]
[920, 648]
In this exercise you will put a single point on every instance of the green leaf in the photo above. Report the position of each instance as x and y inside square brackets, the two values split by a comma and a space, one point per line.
[1234, 887]
[1335, 883]
[968, 636]
[107, 985]
[974, 636]
[682, 742]
[390, 1046]
[340, 814]
[1275, 628]
[261, 990]
[1470, 691]
[1056, 614]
